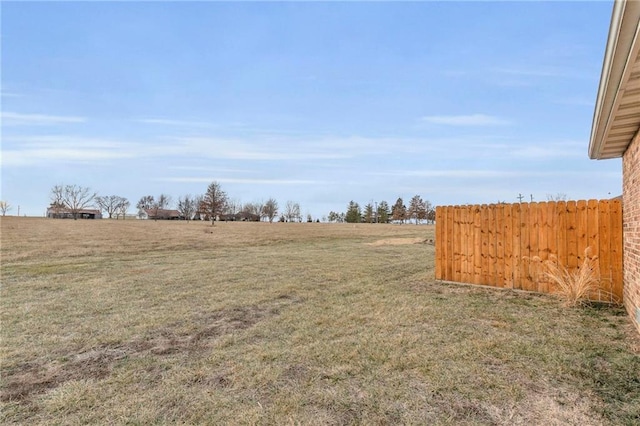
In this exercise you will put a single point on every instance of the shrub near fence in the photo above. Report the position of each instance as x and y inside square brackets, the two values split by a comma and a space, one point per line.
[505, 245]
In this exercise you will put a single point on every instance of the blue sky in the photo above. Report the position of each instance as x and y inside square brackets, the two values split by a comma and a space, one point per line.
[319, 103]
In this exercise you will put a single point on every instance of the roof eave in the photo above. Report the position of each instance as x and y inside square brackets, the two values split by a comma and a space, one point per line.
[623, 35]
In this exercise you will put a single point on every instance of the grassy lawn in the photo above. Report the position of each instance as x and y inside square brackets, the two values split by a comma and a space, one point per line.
[142, 322]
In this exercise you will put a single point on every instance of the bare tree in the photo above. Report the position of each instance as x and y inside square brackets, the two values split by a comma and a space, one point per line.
[122, 208]
[145, 203]
[297, 212]
[150, 205]
[253, 208]
[4, 207]
[161, 203]
[270, 209]
[199, 213]
[187, 206]
[560, 196]
[431, 212]
[214, 201]
[73, 198]
[337, 217]
[57, 204]
[259, 207]
[110, 204]
[232, 206]
[292, 211]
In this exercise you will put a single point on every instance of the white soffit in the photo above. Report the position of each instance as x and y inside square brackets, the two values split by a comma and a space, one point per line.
[617, 115]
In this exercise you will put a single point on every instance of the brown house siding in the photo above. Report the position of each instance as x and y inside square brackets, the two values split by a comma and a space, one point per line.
[631, 220]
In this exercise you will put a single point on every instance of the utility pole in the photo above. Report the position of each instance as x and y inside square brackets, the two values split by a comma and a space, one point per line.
[520, 197]
[531, 195]
[18, 211]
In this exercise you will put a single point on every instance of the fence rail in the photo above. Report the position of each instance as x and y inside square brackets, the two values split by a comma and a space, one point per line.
[505, 245]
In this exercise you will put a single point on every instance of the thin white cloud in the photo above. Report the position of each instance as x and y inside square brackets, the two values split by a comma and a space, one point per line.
[539, 152]
[575, 102]
[9, 94]
[455, 73]
[268, 150]
[336, 152]
[243, 181]
[18, 119]
[491, 174]
[48, 150]
[178, 123]
[465, 120]
[462, 173]
[210, 169]
[35, 156]
[532, 72]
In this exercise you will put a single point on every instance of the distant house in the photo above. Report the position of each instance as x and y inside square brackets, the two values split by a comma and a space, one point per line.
[65, 213]
[160, 214]
[615, 134]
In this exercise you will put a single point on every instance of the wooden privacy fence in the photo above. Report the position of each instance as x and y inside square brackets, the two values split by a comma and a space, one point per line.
[505, 245]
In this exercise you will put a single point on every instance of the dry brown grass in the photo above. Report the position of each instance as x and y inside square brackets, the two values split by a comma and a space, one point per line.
[574, 286]
[170, 322]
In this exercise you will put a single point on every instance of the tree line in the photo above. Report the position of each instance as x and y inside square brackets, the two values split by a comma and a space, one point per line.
[214, 204]
[419, 210]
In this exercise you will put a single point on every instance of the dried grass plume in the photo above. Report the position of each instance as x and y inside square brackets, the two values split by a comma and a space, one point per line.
[573, 286]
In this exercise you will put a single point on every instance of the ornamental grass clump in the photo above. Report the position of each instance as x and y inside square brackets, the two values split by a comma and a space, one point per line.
[574, 286]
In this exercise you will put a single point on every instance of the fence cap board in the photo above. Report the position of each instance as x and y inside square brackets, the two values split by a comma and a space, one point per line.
[589, 200]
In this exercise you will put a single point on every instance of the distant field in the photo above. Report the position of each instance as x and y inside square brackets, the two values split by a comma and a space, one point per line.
[142, 322]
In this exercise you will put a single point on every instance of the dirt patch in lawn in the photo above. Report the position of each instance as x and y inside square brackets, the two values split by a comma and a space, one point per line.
[400, 241]
[32, 378]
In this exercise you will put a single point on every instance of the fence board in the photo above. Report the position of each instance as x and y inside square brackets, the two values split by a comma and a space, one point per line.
[593, 228]
[484, 217]
[615, 210]
[477, 245]
[449, 242]
[440, 236]
[572, 241]
[543, 245]
[506, 245]
[507, 250]
[604, 225]
[582, 230]
[533, 247]
[467, 232]
[457, 246]
[561, 212]
[491, 233]
[499, 264]
[552, 236]
[525, 252]
[517, 257]
[604, 233]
